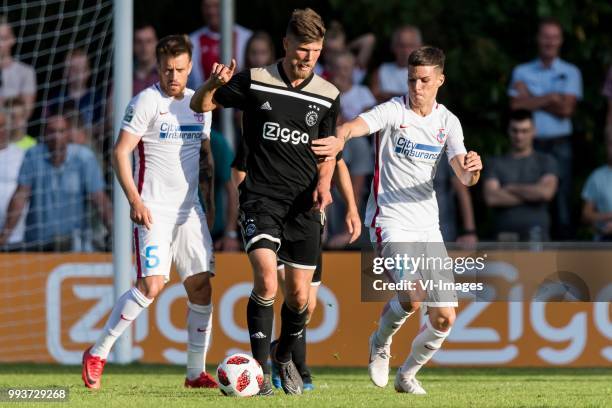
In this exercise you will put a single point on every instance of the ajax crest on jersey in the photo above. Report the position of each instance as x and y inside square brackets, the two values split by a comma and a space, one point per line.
[239, 375]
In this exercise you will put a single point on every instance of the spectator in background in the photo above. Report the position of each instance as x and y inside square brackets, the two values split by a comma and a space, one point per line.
[18, 125]
[80, 92]
[259, 51]
[520, 185]
[358, 155]
[335, 43]
[145, 61]
[550, 87]
[223, 233]
[18, 80]
[389, 79]
[597, 196]
[207, 44]
[57, 178]
[607, 92]
[450, 191]
[11, 157]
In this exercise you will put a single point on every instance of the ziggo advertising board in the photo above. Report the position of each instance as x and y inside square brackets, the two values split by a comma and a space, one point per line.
[55, 305]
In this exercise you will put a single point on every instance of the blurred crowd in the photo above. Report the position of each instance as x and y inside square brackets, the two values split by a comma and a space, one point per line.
[54, 186]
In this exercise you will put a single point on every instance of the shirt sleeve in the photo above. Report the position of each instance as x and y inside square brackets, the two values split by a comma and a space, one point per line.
[574, 82]
[328, 124]
[207, 125]
[381, 116]
[92, 175]
[234, 94]
[26, 172]
[29, 83]
[139, 114]
[589, 191]
[516, 76]
[550, 165]
[454, 139]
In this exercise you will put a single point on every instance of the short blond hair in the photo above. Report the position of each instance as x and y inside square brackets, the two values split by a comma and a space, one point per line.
[306, 26]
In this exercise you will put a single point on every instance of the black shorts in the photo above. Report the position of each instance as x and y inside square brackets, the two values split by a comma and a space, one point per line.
[295, 235]
[318, 273]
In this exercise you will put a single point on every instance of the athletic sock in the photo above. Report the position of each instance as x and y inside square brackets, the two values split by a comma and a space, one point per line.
[391, 320]
[424, 346]
[126, 310]
[292, 325]
[298, 355]
[199, 327]
[260, 316]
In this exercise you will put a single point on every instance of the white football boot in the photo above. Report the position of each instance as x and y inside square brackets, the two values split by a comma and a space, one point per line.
[378, 367]
[408, 384]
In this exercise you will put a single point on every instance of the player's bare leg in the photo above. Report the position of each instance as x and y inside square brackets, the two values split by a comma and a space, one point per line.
[429, 340]
[260, 309]
[199, 328]
[125, 311]
[293, 315]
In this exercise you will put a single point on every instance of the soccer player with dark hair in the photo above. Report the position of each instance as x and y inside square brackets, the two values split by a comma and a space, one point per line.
[412, 133]
[287, 187]
[171, 147]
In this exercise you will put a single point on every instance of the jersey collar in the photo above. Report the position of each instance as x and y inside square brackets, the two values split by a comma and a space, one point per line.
[281, 72]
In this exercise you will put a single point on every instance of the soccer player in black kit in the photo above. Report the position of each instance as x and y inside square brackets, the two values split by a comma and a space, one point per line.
[285, 106]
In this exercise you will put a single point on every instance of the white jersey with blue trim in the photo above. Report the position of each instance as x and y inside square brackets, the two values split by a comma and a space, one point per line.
[167, 160]
[407, 150]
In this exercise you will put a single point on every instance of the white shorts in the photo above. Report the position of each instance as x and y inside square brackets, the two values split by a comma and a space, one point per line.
[189, 245]
[389, 241]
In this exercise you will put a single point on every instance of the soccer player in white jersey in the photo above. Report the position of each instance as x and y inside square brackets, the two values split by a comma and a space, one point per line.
[411, 135]
[171, 146]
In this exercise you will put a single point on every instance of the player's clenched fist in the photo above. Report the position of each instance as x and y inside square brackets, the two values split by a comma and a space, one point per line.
[141, 214]
[472, 162]
[221, 74]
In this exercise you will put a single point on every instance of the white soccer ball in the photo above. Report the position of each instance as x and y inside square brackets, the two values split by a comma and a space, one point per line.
[239, 375]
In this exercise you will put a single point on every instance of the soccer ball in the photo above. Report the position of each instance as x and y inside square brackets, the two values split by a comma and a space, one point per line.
[239, 375]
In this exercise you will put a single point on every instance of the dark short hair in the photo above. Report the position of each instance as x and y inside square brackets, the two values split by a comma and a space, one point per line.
[520, 115]
[550, 21]
[173, 45]
[427, 56]
[306, 25]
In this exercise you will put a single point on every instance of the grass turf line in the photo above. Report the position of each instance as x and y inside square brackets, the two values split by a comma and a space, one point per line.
[157, 386]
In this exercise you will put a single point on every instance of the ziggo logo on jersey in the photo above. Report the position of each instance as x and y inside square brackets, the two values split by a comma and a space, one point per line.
[273, 131]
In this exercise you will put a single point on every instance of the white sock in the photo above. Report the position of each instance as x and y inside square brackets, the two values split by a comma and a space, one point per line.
[424, 346]
[126, 310]
[391, 320]
[199, 328]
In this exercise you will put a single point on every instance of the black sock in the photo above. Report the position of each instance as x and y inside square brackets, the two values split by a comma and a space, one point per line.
[298, 355]
[292, 326]
[260, 316]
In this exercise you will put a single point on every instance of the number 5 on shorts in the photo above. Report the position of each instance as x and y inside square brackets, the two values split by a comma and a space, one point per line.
[152, 260]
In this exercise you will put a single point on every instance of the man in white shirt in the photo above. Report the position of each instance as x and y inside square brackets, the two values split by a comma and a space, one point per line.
[411, 135]
[171, 145]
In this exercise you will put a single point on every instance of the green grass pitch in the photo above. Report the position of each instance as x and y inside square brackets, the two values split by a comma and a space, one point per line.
[160, 386]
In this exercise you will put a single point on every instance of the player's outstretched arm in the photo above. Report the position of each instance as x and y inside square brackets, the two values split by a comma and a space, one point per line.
[203, 99]
[467, 167]
[125, 145]
[342, 179]
[207, 176]
[329, 147]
